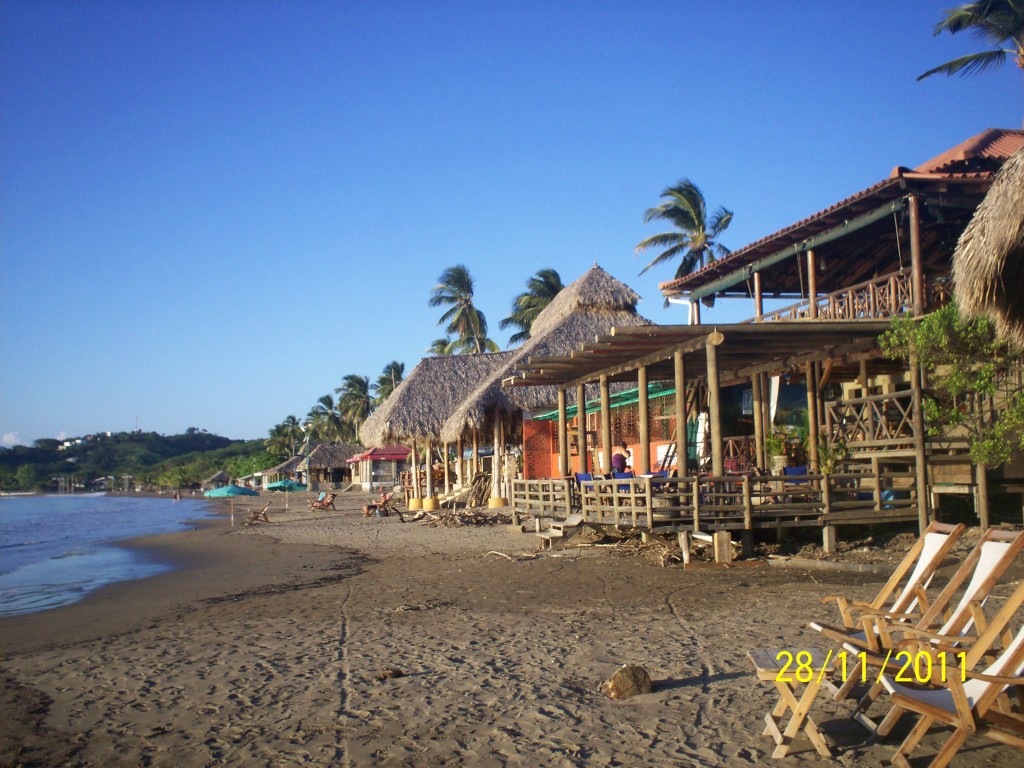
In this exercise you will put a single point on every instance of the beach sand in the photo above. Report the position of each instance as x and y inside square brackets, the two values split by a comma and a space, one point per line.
[272, 645]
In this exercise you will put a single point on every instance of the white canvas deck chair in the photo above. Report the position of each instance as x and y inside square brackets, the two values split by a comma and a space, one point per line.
[970, 702]
[920, 563]
[994, 553]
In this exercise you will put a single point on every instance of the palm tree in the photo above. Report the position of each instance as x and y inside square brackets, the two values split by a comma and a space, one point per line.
[454, 290]
[440, 347]
[997, 21]
[354, 401]
[389, 378]
[695, 241]
[284, 437]
[540, 290]
[325, 422]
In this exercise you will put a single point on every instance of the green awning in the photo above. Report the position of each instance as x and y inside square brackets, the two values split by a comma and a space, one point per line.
[618, 400]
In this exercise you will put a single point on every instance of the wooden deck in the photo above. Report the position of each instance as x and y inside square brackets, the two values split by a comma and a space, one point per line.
[730, 502]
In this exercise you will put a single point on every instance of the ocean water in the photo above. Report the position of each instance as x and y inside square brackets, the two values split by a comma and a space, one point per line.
[54, 550]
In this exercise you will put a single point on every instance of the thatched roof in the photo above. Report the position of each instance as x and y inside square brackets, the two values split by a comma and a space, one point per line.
[286, 466]
[988, 265]
[590, 306]
[331, 455]
[427, 396]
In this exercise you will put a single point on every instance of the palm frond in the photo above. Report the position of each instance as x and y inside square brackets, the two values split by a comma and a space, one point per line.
[972, 64]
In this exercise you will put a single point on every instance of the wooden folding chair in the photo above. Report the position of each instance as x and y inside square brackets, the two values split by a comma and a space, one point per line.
[968, 701]
[921, 562]
[994, 553]
[259, 515]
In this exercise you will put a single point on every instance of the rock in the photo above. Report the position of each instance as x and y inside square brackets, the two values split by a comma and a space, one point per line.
[390, 673]
[628, 680]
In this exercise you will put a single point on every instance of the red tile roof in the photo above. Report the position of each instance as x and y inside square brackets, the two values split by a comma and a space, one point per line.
[975, 159]
[385, 453]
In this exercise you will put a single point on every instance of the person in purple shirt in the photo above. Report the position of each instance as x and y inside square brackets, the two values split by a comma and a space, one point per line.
[620, 458]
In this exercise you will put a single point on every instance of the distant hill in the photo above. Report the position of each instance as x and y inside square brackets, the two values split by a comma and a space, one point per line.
[150, 458]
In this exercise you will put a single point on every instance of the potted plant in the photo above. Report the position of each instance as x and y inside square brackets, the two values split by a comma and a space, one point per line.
[831, 455]
[775, 444]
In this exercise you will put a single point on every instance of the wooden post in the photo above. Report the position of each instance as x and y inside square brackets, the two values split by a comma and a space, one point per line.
[606, 427]
[563, 436]
[981, 479]
[755, 384]
[681, 414]
[684, 545]
[916, 266]
[812, 417]
[415, 502]
[644, 416]
[758, 299]
[476, 454]
[581, 424]
[447, 474]
[863, 378]
[430, 499]
[496, 460]
[460, 472]
[722, 544]
[828, 539]
[715, 403]
[748, 519]
[696, 504]
[812, 286]
[920, 457]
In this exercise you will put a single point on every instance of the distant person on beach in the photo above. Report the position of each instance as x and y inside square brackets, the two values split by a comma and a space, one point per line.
[620, 458]
[379, 505]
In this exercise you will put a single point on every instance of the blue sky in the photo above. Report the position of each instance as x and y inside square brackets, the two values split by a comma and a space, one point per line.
[213, 211]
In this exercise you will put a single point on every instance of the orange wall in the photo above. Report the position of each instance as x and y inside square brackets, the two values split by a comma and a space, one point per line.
[540, 451]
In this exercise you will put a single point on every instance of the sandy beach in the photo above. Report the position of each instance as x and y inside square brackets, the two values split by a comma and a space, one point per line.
[333, 639]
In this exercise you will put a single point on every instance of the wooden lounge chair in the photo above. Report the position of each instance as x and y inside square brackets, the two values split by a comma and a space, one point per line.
[968, 701]
[914, 573]
[259, 515]
[324, 502]
[994, 553]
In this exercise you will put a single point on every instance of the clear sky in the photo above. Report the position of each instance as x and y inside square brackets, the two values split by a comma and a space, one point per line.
[213, 211]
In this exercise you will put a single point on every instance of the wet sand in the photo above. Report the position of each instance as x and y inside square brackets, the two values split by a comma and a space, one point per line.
[333, 639]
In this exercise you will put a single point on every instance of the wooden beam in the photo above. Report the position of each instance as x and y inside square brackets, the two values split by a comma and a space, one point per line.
[644, 415]
[679, 369]
[916, 267]
[563, 436]
[715, 404]
[606, 427]
[581, 425]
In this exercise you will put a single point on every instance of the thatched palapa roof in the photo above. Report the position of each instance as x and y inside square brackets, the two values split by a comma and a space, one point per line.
[590, 306]
[988, 265]
[427, 396]
[331, 455]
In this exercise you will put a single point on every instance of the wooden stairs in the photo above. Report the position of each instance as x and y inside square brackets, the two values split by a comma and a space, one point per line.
[561, 531]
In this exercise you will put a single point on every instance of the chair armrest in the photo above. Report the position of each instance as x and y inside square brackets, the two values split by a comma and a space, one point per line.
[998, 679]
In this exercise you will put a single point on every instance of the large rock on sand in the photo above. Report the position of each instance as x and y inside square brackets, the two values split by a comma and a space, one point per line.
[628, 680]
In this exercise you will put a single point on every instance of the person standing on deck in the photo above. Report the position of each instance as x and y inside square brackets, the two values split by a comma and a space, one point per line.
[620, 458]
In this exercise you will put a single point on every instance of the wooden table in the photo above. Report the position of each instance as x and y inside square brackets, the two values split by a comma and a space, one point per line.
[787, 678]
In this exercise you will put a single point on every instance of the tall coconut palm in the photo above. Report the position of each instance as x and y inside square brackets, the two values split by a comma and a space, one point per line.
[354, 401]
[389, 378]
[996, 21]
[284, 437]
[540, 290]
[695, 241]
[325, 422]
[440, 347]
[462, 319]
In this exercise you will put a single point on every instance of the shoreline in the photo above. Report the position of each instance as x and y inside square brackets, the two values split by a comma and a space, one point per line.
[329, 638]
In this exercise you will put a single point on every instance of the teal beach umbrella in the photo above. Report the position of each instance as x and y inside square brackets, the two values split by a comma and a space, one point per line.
[230, 490]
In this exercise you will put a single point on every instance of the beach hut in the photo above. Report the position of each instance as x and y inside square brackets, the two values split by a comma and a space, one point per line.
[582, 311]
[988, 264]
[416, 410]
[327, 465]
[286, 470]
[217, 480]
[379, 467]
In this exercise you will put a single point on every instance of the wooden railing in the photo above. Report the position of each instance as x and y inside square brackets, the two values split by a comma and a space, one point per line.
[543, 498]
[883, 297]
[878, 421]
[742, 501]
